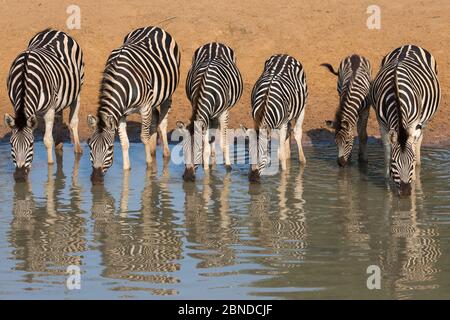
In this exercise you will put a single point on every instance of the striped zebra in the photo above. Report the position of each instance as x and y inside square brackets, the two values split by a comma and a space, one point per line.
[213, 86]
[406, 95]
[278, 98]
[353, 86]
[139, 76]
[43, 80]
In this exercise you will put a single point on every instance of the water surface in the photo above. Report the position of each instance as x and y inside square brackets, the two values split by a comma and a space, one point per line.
[304, 234]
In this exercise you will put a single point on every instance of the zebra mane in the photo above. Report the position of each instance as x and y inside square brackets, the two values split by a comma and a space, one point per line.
[21, 117]
[110, 68]
[355, 64]
[402, 132]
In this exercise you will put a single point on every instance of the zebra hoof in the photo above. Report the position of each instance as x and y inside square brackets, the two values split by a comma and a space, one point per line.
[78, 150]
[228, 168]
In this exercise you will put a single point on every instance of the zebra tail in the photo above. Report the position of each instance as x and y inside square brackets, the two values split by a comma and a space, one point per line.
[330, 68]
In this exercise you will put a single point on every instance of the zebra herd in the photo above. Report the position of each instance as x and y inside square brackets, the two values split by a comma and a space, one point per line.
[143, 73]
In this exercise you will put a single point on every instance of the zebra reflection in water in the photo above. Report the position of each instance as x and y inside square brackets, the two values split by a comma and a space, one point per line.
[55, 231]
[209, 223]
[278, 224]
[412, 251]
[143, 249]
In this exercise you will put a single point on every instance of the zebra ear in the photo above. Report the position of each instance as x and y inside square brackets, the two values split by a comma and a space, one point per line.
[345, 124]
[181, 125]
[393, 137]
[330, 124]
[110, 123]
[92, 122]
[9, 121]
[32, 122]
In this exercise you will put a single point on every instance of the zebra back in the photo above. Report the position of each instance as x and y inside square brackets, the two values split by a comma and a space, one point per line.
[406, 90]
[48, 74]
[143, 72]
[353, 87]
[214, 83]
[280, 93]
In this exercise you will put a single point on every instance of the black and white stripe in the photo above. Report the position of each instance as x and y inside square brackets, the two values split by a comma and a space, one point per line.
[139, 76]
[406, 95]
[278, 98]
[213, 86]
[353, 86]
[43, 80]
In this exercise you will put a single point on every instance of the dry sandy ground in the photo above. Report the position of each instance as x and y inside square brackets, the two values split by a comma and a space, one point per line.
[312, 31]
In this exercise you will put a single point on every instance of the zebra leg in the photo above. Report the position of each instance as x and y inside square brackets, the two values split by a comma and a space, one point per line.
[418, 146]
[223, 123]
[213, 152]
[298, 132]
[387, 152]
[125, 143]
[73, 125]
[164, 115]
[148, 138]
[287, 147]
[417, 161]
[48, 137]
[282, 147]
[206, 150]
[362, 135]
[59, 124]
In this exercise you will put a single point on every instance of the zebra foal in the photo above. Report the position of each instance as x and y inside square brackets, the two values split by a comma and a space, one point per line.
[406, 94]
[43, 80]
[353, 86]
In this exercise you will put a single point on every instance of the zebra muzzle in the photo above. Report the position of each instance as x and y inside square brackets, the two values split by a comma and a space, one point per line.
[404, 189]
[21, 174]
[254, 176]
[342, 162]
[97, 176]
[189, 174]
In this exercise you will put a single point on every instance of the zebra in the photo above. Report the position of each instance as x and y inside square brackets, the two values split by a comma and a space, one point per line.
[278, 98]
[406, 95]
[213, 86]
[43, 80]
[353, 86]
[139, 76]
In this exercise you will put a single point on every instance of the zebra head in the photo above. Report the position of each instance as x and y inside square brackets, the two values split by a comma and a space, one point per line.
[258, 151]
[192, 147]
[344, 139]
[403, 157]
[22, 142]
[101, 145]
